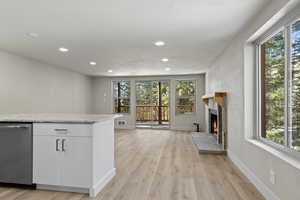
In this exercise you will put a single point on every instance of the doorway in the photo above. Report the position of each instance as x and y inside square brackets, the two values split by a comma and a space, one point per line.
[152, 104]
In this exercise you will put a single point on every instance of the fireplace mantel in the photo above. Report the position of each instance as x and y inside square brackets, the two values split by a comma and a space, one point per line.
[217, 96]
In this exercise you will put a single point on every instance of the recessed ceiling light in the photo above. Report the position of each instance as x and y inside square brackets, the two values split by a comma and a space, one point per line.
[33, 35]
[110, 71]
[159, 43]
[93, 63]
[164, 59]
[167, 68]
[63, 49]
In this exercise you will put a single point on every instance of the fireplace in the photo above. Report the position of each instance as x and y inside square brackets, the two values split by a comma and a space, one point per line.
[213, 121]
[216, 127]
[215, 124]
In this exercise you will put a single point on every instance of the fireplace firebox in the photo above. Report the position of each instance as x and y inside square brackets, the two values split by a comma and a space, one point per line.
[215, 124]
[213, 121]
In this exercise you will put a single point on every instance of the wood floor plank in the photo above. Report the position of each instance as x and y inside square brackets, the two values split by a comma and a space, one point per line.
[160, 165]
[11, 193]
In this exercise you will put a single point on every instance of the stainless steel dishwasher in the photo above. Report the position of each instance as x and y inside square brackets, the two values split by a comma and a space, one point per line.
[16, 153]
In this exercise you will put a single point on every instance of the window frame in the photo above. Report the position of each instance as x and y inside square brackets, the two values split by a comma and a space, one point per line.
[287, 30]
[186, 97]
[113, 97]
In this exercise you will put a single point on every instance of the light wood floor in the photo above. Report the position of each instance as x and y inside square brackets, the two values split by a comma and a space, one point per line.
[159, 165]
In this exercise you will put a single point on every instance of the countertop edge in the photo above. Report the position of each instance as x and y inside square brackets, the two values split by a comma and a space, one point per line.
[73, 121]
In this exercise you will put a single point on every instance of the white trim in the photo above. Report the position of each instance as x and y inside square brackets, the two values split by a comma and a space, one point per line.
[279, 147]
[289, 84]
[182, 128]
[286, 84]
[265, 191]
[154, 80]
[62, 188]
[102, 183]
[125, 127]
[113, 97]
[186, 97]
[286, 147]
[285, 156]
[284, 18]
[265, 38]
[257, 80]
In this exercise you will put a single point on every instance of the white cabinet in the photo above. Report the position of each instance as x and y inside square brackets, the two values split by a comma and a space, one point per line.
[76, 167]
[46, 162]
[60, 157]
[73, 157]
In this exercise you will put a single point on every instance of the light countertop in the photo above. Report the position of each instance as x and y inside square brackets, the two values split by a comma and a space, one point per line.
[57, 118]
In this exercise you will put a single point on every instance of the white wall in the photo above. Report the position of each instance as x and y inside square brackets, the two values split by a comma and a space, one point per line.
[27, 86]
[227, 74]
[102, 100]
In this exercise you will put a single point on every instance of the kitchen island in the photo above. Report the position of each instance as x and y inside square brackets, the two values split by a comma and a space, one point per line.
[71, 152]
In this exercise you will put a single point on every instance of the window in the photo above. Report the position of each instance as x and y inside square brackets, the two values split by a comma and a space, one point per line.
[273, 75]
[121, 96]
[185, 96]
[295, 86]
[280, 87]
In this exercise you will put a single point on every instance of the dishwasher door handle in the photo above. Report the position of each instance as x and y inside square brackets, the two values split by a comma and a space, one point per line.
[14, 126]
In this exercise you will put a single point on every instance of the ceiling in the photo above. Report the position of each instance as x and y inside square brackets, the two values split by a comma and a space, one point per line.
[119, 34]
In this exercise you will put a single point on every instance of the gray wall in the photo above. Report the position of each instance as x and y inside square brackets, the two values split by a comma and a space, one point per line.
[102, 100]
[227, 74]
[27, 86]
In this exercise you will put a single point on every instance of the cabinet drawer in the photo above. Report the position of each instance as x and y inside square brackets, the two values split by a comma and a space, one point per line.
[54, 129]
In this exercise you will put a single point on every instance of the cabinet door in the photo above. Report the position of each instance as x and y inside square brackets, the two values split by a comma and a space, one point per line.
[77, 159]
[46, 160]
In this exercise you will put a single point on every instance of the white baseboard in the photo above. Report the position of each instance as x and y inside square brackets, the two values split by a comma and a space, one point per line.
[127, 126]
[62, 188]
[102, 183]
[265, 191]
[93, 191]
[124, 128]
[177, 128]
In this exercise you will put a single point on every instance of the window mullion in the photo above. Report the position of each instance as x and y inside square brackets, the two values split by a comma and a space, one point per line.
[290, 84]
[286, 90]
[288, 111]
[258, 89]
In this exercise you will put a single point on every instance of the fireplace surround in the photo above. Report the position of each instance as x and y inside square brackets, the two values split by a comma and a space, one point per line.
[216, 104]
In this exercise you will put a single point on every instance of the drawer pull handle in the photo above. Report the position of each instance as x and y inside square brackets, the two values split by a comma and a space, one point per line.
[63, 145]
[61, 130]
[57, 144]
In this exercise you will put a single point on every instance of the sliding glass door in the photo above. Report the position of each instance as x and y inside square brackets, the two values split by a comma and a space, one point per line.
[152, 103]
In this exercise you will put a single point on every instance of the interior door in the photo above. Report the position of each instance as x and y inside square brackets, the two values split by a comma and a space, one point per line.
[46, 160]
